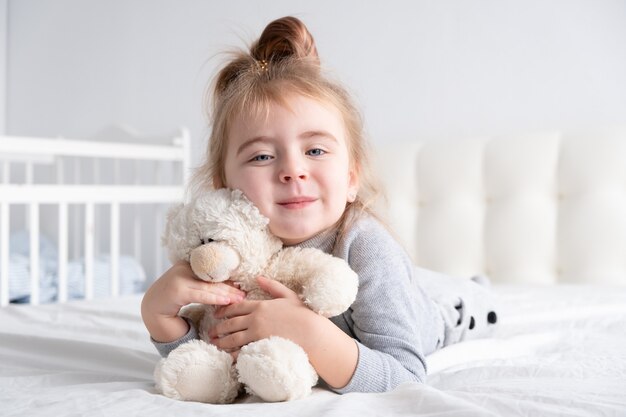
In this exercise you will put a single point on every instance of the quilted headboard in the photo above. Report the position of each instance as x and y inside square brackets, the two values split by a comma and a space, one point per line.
[537, 208]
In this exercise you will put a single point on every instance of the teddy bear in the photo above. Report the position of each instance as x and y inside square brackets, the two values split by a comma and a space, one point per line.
[223, 236]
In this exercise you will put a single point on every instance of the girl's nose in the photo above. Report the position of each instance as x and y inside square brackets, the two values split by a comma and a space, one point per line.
[293, 170]
[288, 178]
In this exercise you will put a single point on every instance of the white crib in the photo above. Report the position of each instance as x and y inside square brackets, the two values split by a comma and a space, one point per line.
[105, 195]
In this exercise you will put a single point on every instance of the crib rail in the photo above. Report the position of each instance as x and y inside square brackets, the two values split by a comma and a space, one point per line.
[51, 194]
[31, 152]
[70, 147]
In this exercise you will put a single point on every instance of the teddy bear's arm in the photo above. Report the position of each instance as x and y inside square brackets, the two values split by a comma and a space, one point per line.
[324, 282]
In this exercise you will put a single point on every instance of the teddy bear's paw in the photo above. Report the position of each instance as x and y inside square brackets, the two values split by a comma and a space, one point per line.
[197, 371]
[333, 293]
[275, 369]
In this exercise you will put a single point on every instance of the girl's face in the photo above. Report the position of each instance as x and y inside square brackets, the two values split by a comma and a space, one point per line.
[293, 165]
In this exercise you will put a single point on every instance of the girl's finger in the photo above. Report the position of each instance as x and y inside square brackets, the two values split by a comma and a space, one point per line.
[206, 297]
[275, 289]
[221, 288]
[234, 310]
[232, 341]
[234, 325]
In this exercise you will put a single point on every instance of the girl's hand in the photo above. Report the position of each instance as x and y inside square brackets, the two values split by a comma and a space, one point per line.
[284, 315]
[332, 353]
[177, 287]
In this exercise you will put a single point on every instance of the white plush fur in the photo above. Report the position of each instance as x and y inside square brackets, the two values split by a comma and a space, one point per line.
[224, 236]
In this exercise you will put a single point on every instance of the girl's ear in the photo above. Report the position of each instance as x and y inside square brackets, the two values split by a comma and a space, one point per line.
[217, 182]
[353, 184]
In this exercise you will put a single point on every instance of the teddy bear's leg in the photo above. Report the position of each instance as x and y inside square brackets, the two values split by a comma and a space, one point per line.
[275, 369]
[468, 306]
[197, 371]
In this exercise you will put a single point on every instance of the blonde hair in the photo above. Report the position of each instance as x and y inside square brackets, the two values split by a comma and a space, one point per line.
[283, 61]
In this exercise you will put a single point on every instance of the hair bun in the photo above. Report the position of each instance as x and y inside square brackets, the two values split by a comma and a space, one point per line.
[286, 37]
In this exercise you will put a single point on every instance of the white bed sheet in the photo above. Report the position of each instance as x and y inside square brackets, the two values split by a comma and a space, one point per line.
[559, 351]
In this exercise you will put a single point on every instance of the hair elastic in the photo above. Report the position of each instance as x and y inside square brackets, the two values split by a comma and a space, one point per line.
[262, 65]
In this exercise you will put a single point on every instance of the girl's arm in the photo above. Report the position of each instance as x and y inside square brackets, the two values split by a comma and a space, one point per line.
[176, 288]
[332, 353]
[393, 323]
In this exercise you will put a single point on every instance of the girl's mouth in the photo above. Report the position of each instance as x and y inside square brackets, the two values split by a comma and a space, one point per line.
[297, 203]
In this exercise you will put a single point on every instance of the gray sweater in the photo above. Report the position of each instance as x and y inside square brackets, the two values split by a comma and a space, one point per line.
[394, 323]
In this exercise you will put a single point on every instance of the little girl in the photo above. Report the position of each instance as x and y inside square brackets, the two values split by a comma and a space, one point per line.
[292, 141]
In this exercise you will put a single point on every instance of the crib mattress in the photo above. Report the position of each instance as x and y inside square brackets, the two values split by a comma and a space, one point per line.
[559, 351]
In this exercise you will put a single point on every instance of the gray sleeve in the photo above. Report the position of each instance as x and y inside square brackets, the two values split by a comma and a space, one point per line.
[393, 321]
[164, 349]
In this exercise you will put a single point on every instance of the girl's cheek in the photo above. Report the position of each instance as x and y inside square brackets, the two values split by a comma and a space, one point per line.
[253, 195]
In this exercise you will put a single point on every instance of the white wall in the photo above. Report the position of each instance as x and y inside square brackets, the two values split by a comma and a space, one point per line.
[419, 69]
[3, 62]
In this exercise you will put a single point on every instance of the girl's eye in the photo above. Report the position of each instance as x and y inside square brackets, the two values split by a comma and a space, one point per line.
[261, 158]
[316, 152]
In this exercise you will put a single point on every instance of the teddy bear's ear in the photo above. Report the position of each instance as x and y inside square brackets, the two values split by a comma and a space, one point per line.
[172, 213]
[175, 235]
[249, 210]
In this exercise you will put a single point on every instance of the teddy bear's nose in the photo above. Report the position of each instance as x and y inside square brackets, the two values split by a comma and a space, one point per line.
[205, 241]
[214, 263]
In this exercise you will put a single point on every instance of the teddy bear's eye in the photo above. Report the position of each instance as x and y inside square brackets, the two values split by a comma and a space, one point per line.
[205, 241]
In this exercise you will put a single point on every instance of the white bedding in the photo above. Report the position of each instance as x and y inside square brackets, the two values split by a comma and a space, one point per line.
[131, 274]
[559, 351]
